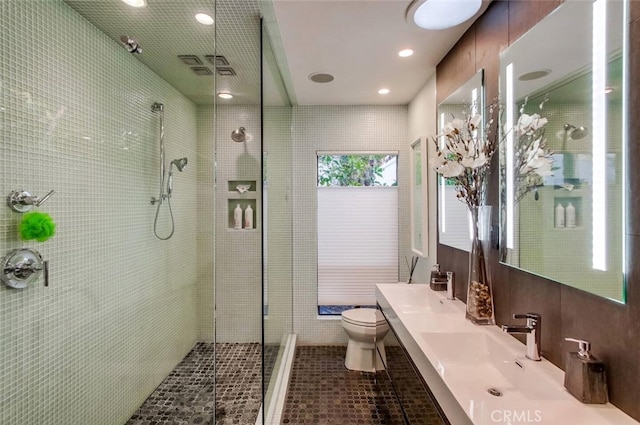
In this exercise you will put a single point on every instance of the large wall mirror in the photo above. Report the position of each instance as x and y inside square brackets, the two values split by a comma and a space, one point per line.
[453, 216]
[568, 226]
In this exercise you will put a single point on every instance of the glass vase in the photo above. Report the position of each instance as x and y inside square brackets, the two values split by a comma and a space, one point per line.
[480, 308]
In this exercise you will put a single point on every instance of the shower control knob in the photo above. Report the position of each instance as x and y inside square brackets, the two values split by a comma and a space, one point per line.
[22, 266]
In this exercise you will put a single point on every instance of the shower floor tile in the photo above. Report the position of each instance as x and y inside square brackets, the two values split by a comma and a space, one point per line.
[323, 391]
[186, 396]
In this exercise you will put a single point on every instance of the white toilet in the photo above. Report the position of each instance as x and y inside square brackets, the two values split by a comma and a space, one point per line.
[366, 327]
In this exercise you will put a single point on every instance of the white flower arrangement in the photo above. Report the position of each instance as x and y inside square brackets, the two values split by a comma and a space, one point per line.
[463, 155]
[532, 159]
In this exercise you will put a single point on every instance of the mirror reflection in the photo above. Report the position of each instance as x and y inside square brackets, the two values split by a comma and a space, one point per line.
[453, 220]
[566, 222]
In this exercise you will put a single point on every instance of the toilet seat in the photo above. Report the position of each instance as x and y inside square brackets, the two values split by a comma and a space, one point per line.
[366, 317]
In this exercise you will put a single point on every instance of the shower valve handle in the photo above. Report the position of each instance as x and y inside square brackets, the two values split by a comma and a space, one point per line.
[22, 201]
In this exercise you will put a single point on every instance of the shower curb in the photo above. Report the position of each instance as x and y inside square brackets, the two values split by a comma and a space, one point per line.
[279, 397]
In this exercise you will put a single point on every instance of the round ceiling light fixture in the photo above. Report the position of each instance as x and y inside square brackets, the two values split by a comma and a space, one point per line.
[405, 53]
[534, 75]
[225, 95]
[204, 19]
[383, 91]
[135, 3]
[320, 77]
[442, 14]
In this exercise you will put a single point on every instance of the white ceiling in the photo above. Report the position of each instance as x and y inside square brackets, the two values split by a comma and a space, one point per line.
[358, 41]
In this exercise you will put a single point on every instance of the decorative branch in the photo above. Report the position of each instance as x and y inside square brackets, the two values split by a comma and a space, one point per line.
[412, 266]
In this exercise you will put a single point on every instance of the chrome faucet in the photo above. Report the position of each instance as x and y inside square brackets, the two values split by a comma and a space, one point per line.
[531, 329]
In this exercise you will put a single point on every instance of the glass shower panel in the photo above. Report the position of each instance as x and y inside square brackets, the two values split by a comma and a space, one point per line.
[122, 308]
[277, 231]
[239, 221]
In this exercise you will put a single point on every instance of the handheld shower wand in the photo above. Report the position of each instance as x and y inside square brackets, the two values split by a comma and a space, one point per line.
[180, 164]
[165, 191]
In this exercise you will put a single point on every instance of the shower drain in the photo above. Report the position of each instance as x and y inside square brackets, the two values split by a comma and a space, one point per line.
[494, 392]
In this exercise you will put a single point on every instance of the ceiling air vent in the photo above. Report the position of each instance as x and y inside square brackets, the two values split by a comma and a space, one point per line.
[201, 70]
[225, 70]
[190, 60]
[217, 60]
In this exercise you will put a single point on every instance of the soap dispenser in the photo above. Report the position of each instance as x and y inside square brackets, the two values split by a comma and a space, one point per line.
[438, 280]
[585, 377]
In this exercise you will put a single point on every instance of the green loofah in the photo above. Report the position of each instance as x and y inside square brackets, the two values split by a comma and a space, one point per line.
[37, 225]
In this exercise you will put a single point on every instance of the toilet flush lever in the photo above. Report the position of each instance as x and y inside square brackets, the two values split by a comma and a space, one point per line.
[22, 201]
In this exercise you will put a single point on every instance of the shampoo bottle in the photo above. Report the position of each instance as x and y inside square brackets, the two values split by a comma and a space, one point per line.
[559, 216]
[570, 216]
[237, 217]
[248, 217]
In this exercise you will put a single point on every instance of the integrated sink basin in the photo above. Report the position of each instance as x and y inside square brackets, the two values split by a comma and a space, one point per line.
[411, 300]
[483, 367]
[479, 374]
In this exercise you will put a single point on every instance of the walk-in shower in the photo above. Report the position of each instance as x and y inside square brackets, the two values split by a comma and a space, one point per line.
[146, 307]
[165, 189]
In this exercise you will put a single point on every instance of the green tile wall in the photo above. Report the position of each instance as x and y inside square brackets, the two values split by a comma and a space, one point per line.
[120, 311]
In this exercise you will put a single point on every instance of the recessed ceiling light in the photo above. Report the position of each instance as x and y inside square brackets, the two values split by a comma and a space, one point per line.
[534, 75]
[135, 3]
[321, 77]
[405, 53]
[383, 91]
[441, 14]
[204, 19]
[225, 95]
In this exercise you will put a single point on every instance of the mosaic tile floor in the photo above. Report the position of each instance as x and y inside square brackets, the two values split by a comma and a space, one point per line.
[186, 396]
[323, 391]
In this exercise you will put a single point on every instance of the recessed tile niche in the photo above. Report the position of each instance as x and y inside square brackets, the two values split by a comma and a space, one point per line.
[241, 194]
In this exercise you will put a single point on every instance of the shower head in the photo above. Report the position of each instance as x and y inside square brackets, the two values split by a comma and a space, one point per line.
[131, 44]
[576, 133]
[238, 135]
[180, 163]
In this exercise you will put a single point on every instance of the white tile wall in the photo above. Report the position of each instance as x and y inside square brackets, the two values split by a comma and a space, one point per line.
[278, 218]
[238, 253]
[337, 128]
[206, 219]
[120, 309]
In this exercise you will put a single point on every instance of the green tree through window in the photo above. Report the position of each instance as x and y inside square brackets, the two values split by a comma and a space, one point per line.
[356, 170]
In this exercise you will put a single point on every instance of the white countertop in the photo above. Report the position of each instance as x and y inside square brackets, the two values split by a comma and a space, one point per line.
[461, 361]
